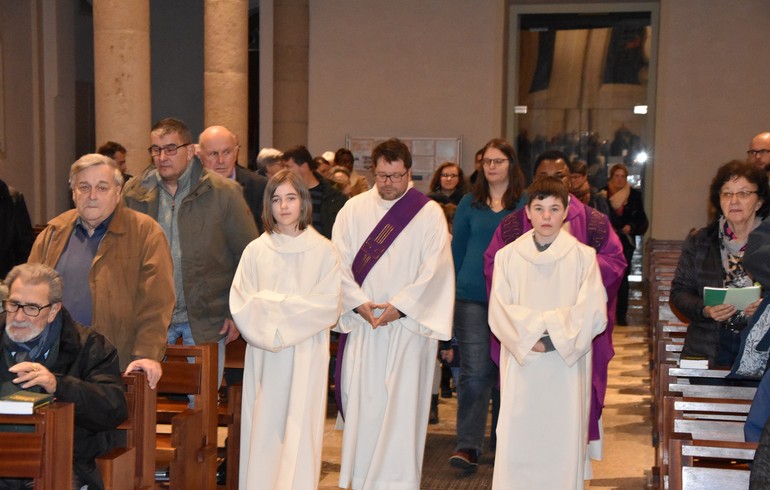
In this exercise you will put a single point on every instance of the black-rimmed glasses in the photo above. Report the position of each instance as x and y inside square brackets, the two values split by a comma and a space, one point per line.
[394, 178]
[169, 150]
[29, 310]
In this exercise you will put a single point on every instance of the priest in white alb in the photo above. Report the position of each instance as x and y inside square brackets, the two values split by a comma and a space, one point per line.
[397, 303]
[546, 305]
[285, 298]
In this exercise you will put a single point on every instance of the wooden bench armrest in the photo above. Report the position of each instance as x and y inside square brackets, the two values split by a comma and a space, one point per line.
[118, 468]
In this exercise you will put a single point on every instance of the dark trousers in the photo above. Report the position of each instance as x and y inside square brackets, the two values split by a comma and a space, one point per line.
[621, 308]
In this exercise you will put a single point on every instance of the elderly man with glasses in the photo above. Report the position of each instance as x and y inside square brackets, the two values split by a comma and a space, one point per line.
[207, 223]
[116, 264]
[45, 351]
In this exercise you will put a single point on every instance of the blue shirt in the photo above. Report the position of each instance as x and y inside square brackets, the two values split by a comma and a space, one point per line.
[168, 212]
[472, 230]
[74, 266]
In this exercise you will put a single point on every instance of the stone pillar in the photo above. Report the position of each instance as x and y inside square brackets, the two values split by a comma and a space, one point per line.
[291, 73]
[226, 68]
[122, 77]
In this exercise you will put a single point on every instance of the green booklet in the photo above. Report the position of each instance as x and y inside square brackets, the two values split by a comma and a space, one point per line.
[738, 297]
[24, 402]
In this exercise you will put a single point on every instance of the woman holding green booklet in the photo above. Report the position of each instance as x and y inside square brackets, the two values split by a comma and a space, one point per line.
[713, 257]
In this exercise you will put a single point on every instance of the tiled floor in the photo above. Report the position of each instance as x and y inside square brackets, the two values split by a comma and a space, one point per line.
[628, 454]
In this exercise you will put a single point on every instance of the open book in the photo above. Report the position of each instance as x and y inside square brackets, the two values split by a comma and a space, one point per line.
[738, 297]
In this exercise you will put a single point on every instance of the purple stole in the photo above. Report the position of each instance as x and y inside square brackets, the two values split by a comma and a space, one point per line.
[512, 227]
[379, 240]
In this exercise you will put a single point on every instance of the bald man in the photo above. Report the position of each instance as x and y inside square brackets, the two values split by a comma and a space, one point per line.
[759, 151]
[219, 148]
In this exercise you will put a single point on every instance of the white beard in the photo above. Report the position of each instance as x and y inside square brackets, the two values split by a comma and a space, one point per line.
[29, 332]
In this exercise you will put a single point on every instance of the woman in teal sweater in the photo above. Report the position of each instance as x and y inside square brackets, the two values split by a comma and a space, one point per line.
[497, 192]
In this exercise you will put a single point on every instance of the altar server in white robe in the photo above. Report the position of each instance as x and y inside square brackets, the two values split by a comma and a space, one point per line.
[394, 317]
[284, 299]
[546, 305]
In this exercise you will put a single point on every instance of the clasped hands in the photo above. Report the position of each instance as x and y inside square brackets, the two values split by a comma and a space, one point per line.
[389, 313]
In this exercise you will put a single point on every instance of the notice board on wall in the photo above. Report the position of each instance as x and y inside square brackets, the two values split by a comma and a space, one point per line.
[427, 154]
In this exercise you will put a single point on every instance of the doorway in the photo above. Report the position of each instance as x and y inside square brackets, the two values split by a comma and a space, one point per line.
[581, 81]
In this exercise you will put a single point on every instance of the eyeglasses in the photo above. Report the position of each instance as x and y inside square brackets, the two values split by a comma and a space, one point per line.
[450, 176]
[740, 195]
[169, 150]
[394, 178]
[487, 162]
[756, 153]
[29, 310]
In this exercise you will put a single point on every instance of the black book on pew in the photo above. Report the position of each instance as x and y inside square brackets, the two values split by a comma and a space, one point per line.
[24, 402]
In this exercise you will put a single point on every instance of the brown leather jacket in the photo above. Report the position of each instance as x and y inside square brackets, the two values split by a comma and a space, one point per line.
[131, 280]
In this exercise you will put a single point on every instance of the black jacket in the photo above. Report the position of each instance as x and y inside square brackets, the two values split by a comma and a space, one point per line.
[760, 469]
[633, 215]
[16, 237]
[87, 374]
[755, 258]
[332, 201]
[253, 186]
[699, 265]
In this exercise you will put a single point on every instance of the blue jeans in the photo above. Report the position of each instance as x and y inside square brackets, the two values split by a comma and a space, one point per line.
[183, 330]
[478, 374]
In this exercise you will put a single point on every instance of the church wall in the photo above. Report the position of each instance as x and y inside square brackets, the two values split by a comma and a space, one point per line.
[17, 159]
[712, 97]
[431, 68]
[403, 68]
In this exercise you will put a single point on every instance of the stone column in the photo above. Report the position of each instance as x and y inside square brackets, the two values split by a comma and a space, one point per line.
[291, 72]
[226, 68]
[122, 77]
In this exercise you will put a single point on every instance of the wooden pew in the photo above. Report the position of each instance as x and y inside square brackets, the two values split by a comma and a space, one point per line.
[229, 412]
[133, 466]
[189, 370]
[710, 391]
[683, 400]
[666, 347]
[229, 416]
[44, 455]
[187, 453]
[709, 465]
[718, 419]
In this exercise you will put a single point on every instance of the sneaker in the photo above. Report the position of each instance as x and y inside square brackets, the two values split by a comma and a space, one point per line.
[465, 459]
